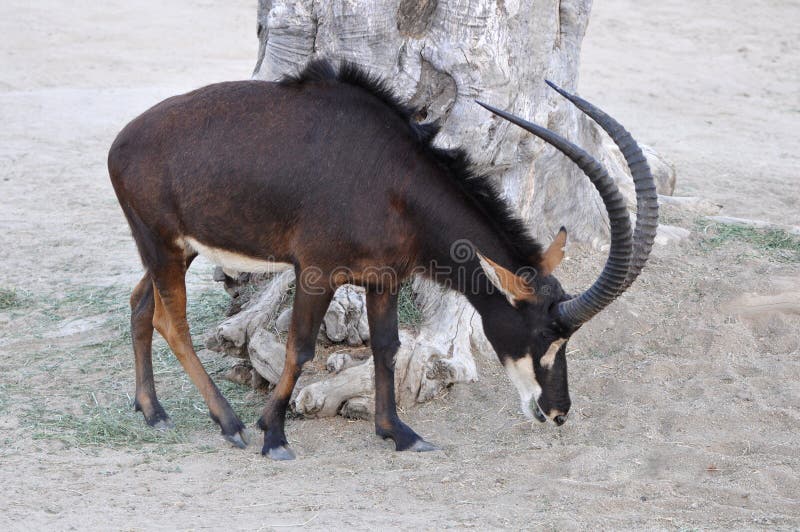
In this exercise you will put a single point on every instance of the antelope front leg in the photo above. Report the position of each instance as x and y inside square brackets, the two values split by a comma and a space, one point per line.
[384, 340]
[309, 308]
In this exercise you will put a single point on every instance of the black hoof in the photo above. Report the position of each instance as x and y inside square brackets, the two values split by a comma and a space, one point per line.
[163, 424]
[232, 429]
[275, 446]
[405, 439]
[157, 418]
[421, 446]
[238, 439]
[282, 452]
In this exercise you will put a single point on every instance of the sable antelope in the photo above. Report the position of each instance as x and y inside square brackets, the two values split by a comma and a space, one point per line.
[327, 171]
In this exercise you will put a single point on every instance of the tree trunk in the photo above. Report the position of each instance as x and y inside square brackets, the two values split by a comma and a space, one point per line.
[441, 55]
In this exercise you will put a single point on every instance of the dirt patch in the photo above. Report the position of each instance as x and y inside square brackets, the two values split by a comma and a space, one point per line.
[686, 408]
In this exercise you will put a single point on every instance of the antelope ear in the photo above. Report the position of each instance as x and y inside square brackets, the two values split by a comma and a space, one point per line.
[555, 253]
[514, 287]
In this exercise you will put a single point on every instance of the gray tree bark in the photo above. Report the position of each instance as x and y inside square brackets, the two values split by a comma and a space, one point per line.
[441, 55]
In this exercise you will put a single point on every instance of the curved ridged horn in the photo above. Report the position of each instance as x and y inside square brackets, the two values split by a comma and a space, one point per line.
[646, 195]
[577, 311]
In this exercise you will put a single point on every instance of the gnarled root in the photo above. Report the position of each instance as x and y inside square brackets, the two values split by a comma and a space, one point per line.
[325, 398]
[232, 335]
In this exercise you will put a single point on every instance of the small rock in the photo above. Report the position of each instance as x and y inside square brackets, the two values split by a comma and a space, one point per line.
[691, 204]
[335, 322]
[239, 374]
[663, 171]
[670, 234]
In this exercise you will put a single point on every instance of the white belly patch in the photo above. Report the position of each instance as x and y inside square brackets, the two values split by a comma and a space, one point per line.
[233, 263]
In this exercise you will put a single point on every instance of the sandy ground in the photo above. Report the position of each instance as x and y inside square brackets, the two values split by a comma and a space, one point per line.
[713, 85]
[686, 414]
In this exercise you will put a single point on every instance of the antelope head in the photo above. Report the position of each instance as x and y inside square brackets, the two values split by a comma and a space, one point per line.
[532, 342]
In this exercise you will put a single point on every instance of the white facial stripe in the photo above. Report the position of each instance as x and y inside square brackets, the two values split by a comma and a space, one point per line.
[234, 263]
[549, 357]
[521, 374]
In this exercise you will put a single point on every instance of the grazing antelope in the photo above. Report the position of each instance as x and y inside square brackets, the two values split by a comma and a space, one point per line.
[326, 172]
